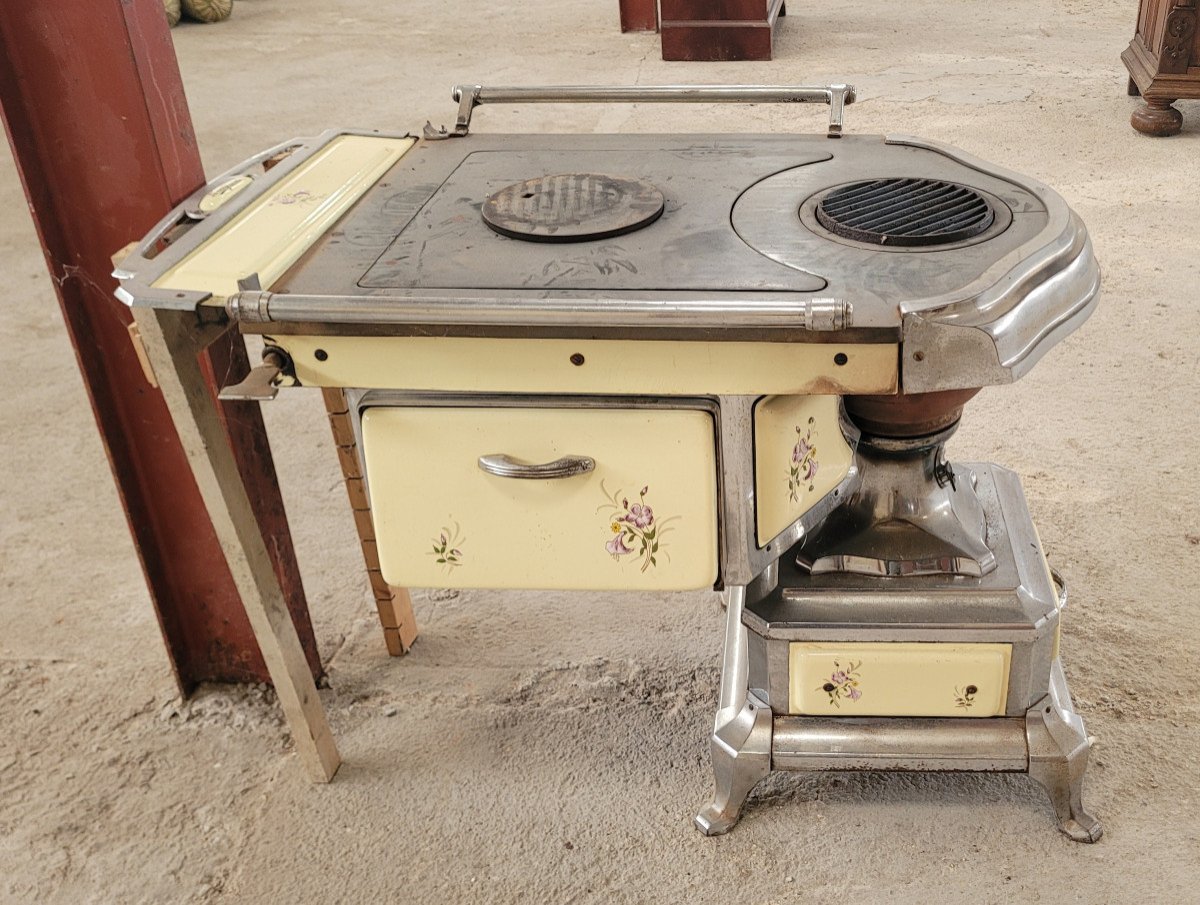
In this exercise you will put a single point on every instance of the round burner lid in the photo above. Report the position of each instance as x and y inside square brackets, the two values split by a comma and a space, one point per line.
[572, 207]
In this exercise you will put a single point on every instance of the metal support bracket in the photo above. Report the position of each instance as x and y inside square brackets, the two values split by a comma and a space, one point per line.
[468, 97]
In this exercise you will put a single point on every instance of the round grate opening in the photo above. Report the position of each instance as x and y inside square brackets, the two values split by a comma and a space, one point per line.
[905, 212]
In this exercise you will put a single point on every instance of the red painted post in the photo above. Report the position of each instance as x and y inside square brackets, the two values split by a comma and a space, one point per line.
[99, 127]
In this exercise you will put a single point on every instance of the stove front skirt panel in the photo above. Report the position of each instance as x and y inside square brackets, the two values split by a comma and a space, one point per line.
[480, 364]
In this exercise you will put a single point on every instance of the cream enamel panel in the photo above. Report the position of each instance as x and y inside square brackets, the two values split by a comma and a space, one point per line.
[651, 367]
[899, 679]
[430, 500]
[275, 230]
[800, 455]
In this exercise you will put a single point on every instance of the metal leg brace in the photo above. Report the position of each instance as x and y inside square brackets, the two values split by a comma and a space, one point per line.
[741, 740]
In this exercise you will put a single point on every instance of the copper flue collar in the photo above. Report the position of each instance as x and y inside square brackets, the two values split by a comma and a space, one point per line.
[907, 415]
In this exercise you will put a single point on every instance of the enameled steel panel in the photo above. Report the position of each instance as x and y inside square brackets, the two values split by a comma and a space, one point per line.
[644, 519]
[898, 679]
[800, 455]
[653, 367]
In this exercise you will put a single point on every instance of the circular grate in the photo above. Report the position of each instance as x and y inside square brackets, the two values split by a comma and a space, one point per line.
[905, 212]
[572, 207]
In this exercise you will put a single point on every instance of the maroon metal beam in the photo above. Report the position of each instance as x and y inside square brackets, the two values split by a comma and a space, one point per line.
[96, 116]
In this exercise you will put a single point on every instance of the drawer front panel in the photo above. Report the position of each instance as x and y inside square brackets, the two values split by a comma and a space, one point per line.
[800, 455]
[898, 679]
[644, 518]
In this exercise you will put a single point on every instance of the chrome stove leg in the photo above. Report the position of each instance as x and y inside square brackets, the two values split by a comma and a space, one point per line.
[1058, 755]
[741, 739]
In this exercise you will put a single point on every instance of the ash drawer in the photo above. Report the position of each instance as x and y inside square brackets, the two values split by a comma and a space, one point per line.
[898, 679]
[643, 515]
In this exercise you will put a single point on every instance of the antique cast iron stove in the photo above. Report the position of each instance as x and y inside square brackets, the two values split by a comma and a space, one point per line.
[683, 361]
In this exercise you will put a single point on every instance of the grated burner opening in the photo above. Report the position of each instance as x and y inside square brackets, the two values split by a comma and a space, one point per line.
[905, 212]
[572, 207]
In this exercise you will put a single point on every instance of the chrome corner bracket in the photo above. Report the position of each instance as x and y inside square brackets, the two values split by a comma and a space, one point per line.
[468, 97]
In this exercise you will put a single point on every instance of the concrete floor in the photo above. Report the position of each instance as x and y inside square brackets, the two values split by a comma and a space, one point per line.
[548, 747]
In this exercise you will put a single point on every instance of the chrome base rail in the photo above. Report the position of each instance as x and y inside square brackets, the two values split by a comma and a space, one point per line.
[749, 741]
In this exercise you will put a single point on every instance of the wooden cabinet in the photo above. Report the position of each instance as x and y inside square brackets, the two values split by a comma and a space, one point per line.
[1163, 60]
[718, 29]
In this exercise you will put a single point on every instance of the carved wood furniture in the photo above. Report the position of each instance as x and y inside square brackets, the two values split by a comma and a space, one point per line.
[1163, 60]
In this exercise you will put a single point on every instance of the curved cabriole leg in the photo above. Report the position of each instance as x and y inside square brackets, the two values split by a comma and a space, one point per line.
[741, 756]
[1058, 756]
[741, 739]
[1157, 117]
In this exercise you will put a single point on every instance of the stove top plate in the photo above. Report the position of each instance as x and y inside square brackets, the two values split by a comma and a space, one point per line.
[446, 243]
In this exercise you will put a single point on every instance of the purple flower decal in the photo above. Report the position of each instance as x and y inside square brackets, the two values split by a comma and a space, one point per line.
[843, 683]
[634, 528]
[447, 549]
[804, 461]
[617, 547]
[642, 516]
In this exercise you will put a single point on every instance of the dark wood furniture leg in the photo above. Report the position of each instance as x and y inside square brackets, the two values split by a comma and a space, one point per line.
[1157, 117]
[639, 15]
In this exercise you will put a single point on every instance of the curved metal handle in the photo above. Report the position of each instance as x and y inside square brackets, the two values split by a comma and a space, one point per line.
[503, 466]
[1060, 585]
[469, 97]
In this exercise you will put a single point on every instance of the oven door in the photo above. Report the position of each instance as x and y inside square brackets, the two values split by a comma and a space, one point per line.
[536, 492]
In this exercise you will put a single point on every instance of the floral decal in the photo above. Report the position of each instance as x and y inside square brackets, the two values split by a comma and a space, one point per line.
[302, 197]
[635, 528]
[965, 697]
[804, 460]
[843, 683]
[447, 548]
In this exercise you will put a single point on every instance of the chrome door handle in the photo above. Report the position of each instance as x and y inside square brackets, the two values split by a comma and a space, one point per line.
[503, 466]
